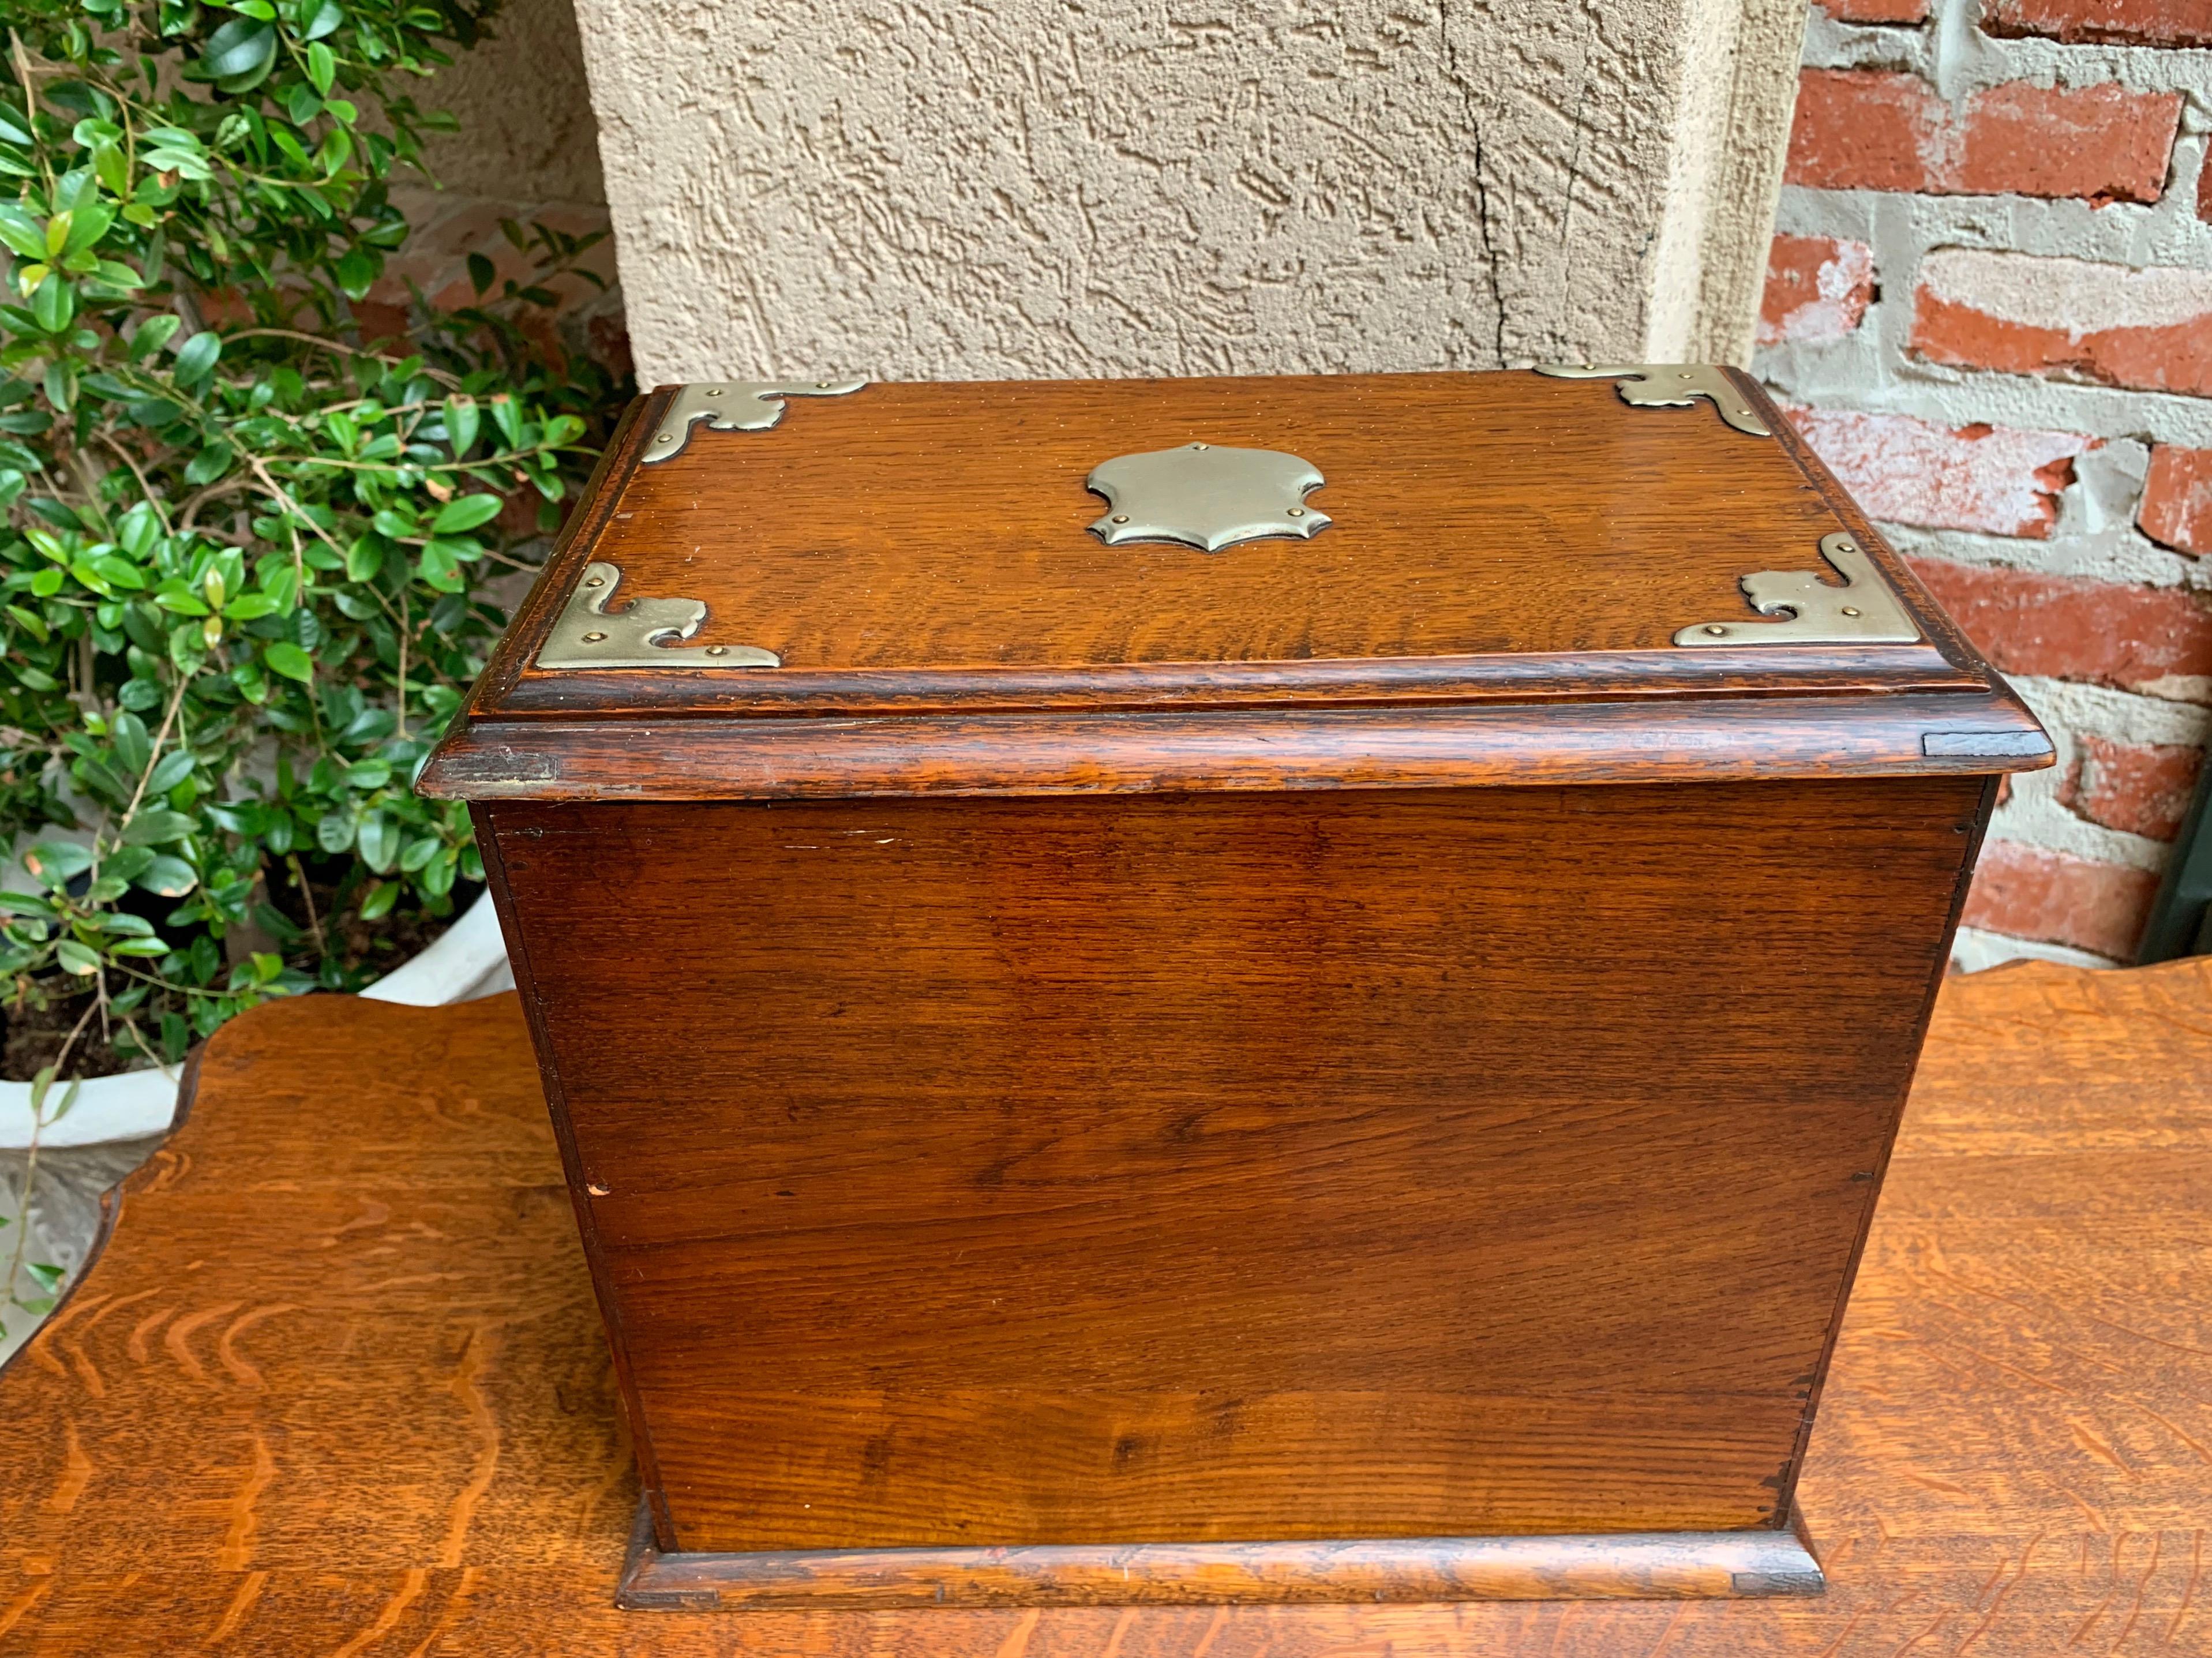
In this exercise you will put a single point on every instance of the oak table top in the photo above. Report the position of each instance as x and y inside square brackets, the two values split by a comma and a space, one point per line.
[336, 1386]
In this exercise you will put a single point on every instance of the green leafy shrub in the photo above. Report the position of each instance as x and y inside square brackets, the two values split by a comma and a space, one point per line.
[240, 574]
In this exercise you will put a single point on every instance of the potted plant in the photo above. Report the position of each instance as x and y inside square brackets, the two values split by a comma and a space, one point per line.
[246, 535]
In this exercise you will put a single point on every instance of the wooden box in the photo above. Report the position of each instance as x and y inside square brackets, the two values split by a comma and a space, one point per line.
[1319, 1017]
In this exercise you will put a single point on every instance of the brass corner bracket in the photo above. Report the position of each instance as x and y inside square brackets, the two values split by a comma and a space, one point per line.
[641, 634]
[1670, 385]
[731, 406]
[1862, 611]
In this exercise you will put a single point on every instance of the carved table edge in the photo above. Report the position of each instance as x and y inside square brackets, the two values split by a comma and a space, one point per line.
[1625, 1565]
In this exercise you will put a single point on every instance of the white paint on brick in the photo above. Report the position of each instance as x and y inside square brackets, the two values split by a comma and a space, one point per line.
[1872, 370]
[2078, 297]
[1919, 471]
[2119, 716]
[2034, 814]
[1950, 52]
[1973, 950]
[2115, 556]
[1832, 312]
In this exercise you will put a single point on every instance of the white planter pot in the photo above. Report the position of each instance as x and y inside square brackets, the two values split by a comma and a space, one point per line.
[469, 960]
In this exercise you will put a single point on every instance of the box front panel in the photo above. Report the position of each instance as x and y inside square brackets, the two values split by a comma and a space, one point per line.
[1230, 1167]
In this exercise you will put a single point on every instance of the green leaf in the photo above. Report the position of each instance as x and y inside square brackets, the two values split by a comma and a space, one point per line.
[465, 512]
[168, 877]
[325, 19]
[364, 558]
[87, 226]
[114, 171]
[53, 305]
[157, 826]
[368, 775]
[57, 862]
[251, 607]
[322, 67]
[437, 566]
[377, 904]
[210, 464]
[289, 659]
[75, 957]
[118, 572]
[133, 746]
[153, 334]
[379, 840]
[334, 832]
[196, 357]
[171, 769]
[462, 418]
[21, 233]
[240, 54]
[356, 273]
[504, 411]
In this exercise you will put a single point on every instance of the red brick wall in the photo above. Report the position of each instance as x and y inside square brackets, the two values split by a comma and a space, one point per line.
[1990, 308]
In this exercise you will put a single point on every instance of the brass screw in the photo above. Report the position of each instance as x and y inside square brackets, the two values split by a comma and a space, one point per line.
[1298, 512]
[596, 581]
[822, 385]
[718, 650]
[593, 639]
[1850, 610]
[1845, 547]
[715, 393]
[1715, 630]
[1120, 517]
[665, 437]
[1197, 446]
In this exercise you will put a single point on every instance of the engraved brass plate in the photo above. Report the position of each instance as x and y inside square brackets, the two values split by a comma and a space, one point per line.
[1862, 611]
[639, 634]
[731, 406]
[1208, 496]
[1669, 386]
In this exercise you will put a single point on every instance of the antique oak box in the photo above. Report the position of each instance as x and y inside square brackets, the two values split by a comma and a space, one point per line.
[1225, 989]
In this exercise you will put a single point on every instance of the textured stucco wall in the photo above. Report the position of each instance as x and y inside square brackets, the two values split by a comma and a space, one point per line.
[924, 190]
[528, 134]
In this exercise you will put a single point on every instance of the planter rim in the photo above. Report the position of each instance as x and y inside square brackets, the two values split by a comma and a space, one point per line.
[463, 962]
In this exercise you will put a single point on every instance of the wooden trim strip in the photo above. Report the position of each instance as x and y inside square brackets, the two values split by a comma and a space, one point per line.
[1750, 671]
[1629, 1565]
[1456, 746]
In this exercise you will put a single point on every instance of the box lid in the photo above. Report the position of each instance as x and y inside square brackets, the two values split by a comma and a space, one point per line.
[1618, 573]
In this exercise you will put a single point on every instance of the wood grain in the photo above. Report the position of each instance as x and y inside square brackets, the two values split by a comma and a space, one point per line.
[925, 526]
[1653, 741]
[420, 1455]
[886, 1240]
[1504, 544]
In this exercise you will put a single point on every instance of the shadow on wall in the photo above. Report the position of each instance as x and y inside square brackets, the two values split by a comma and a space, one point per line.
[528, 150]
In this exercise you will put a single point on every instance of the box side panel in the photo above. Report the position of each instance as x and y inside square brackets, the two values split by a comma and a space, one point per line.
[1184, 1169]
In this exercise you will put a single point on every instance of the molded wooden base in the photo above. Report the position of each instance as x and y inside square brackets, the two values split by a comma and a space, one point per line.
[1623, 1566]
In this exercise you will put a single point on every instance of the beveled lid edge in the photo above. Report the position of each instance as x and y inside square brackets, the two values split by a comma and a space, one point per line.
[1456, 745]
